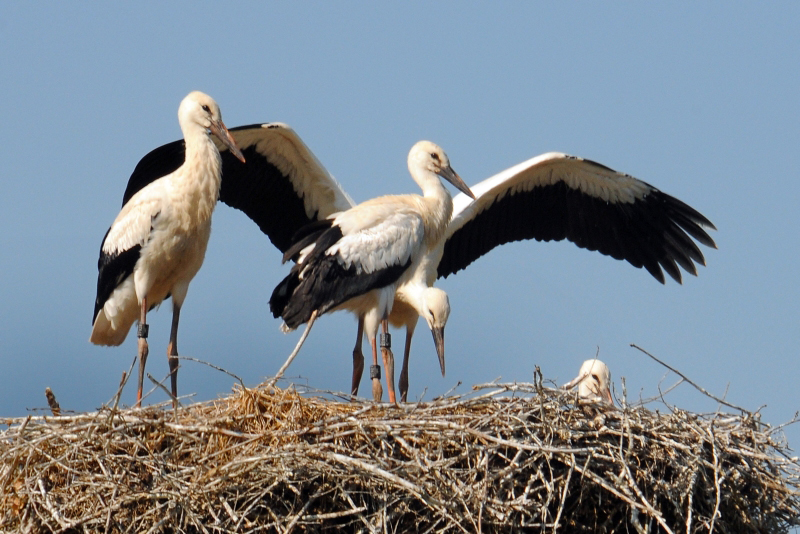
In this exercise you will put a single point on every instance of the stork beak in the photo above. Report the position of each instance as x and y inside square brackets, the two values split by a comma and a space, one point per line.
[452, 176]
[218, 128]
[606, 396]
[575, 381]
[438, 340]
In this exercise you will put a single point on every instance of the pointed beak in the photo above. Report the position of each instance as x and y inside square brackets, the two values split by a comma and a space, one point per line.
[606, 396]
[438, 340]
[218, 128]
[452, 176]
[575, 381]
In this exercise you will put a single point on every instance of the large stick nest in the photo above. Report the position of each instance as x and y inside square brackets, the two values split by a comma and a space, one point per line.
[503, 458]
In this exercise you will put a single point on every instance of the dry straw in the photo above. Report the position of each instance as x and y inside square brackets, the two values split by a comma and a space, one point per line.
[504, 458]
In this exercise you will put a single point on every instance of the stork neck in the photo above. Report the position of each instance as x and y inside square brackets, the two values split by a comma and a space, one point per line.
[414, 295]
[201, 171]
[438, 206]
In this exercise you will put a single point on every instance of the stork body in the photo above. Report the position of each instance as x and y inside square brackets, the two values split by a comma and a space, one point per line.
[358, 259]
[157, 243]
[593, 381]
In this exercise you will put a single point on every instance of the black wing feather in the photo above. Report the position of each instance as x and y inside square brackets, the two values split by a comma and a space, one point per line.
[155, 164]
[113, 269]
[651, 232]
[264, 194]
[307, 235]
[326, 283]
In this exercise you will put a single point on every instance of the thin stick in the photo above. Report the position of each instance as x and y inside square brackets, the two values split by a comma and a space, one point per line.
[377, 471]
[163, 388]
[122, 383]
[698, 388]
[290, 359]
[241, 382]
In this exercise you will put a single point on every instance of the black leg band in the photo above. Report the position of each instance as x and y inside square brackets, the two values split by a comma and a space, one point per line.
[386, 341]
[143, 330]
[375, 371]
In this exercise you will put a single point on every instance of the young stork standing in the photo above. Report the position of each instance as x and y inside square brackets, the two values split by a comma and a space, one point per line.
[158, 241]
[357, 259]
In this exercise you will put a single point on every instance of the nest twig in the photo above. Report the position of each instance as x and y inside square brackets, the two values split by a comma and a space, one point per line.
[502, 458]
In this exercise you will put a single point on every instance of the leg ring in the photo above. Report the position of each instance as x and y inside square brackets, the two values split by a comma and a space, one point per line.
[143, 330]
[375, 371]
[386, 341]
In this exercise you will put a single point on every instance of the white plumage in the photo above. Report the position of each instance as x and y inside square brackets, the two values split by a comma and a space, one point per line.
[157, 243]
[378, 235]
[593, 381]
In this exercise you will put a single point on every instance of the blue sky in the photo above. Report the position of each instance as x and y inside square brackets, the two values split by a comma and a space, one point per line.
[699, 100]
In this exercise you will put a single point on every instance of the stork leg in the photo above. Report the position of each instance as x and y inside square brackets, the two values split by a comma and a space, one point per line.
[358, 358]
[143, 349]
[375, 372]
[388, 359]
[403, 383]
[172, 353]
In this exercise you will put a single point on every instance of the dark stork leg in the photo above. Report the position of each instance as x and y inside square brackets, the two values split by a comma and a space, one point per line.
[388, 359]
[375, 372]
[404, 371]
[172, 353]
[143, 349]
[358, 358]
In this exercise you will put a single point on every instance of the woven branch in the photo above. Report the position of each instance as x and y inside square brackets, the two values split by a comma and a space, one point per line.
[501, 459]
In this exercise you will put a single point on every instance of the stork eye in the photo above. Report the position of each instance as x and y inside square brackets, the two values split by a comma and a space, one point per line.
[597, 378]
[206, 108]
[435, 156]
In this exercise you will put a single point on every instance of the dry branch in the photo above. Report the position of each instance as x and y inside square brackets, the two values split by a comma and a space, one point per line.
[506, 457]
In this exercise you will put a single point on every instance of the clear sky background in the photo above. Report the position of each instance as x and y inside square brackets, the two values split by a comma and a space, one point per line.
[700, 100]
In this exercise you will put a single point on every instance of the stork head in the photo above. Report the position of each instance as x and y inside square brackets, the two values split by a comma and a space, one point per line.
[436, 310]
[199, 109]
[593, 381]
[429, 157]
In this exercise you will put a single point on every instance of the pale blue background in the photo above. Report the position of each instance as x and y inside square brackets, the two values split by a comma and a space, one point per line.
[700, 101]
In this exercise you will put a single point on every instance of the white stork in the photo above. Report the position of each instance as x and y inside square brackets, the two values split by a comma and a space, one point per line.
[549, 197]
[593, 381]
[158, 241]
[357, 259]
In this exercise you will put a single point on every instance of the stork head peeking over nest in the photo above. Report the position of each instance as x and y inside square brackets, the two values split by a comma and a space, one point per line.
[594, 382]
